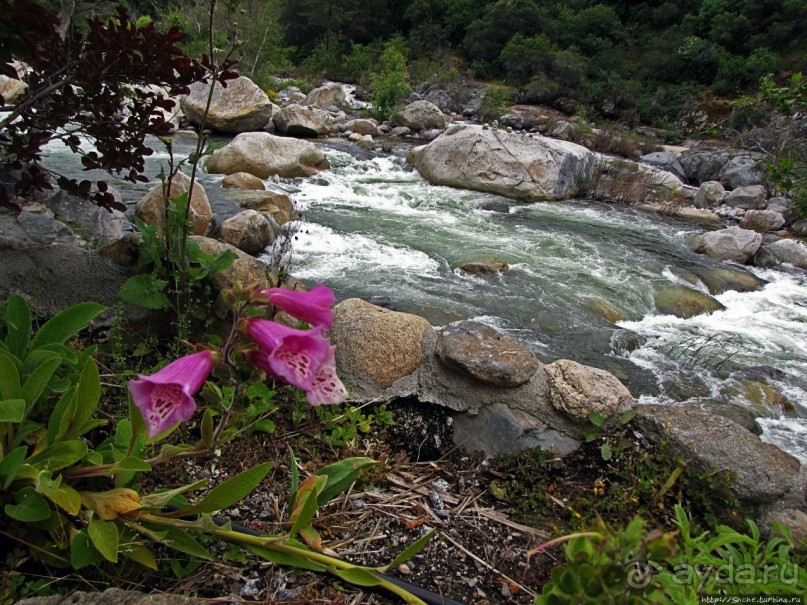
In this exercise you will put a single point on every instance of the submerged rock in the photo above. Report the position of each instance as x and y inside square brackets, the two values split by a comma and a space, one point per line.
[485, 267]
[684, 302]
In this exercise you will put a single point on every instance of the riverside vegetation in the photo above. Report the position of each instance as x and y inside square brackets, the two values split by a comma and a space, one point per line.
[77, 493]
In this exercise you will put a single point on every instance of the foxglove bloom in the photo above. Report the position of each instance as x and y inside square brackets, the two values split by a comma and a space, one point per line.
[166, 397]
[327, 387]
[312, 307]
[287, 353]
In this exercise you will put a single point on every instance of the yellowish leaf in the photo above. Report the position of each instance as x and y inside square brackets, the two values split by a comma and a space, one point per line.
[110, 504]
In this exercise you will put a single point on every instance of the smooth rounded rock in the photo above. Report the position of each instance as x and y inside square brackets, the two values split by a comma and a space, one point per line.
[579, 390]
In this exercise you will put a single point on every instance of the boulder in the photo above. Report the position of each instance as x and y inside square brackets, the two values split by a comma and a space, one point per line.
[525, 168]
[704, 161]
[563, 130]
[604, 309]
[264, 201]
[666, 161]
[750, 197]
[710, 195]
[249, 231]
[485, 267]
[741, 171]
[299, 121]
[719, 279]
[485, 354]
[680, 301]
[628, 182]
[325, 96]
[362, 126]
[265, 155]
[240, 107]
[579, 391]
[245, 269]
[762, 221]
[375, 347]
[686, 214]
[759, 472]
[93, 222]
[444, 101]
[733, 243]
[799, 227]
[366, 142]
[420, 115]
[244, 181]
[789, 251]
[11, 89]
[112, 596]
[151, 209]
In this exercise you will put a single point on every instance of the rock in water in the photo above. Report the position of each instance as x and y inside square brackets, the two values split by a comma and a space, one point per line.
[241, 107]
[265, 155]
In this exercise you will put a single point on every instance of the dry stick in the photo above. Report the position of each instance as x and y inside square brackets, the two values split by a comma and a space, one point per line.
[487, 565]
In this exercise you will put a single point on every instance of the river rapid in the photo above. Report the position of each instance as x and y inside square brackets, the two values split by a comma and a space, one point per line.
[373, 227]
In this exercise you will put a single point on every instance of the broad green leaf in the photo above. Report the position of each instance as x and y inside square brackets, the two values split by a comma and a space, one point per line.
[59, 420]
[145, 290]
[140, 554]
[411, 550]
[207, 428]
[282, 558]
[66, 498]
[228, 493]
[88, 393]
[265, 426]
[35, 384]
[596, 419]
[10, 465]
[341, 476]
[30, 506]
[160, 499]
[105, 538]
[9, 378]
[82, 551]
[45, 484]
[131, 463]
[12, 410]
[182, 541]
[356, 576]
[18, 319]
[606, 451]
[66, 353]
[305, 502]
[67, 324]
[627, 416]
[59, 455]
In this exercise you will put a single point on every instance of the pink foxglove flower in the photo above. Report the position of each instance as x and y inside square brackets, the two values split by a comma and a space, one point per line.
[166, 397]
[312, 307]
[327, 387]
[287, 353]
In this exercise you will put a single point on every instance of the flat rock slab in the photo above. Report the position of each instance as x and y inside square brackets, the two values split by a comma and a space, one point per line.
[485, 354]
[761, 472]
[111, 596]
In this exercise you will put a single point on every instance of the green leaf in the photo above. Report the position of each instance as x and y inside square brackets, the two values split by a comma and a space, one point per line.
[228, 493]
[59, 420]
[18, 319]
[67, 324]
[9, 378]
[341, 476]
[207, 428]
[411, 550]
[30, 506]
[88, 394]
[265, 426]
[104, 536]
[356, 576]
[183, 542]
[131, 463]
[66, 498]
[12, 410]
[282, 558]
[295, 478]
[627, 416]
[10, 465]
[66, 353]
[606, 452]
[37, 382]
[305, 503]
[145, 290]
[59, 455]
[82, 551]
[161, 499]
[140, 554]
[596, 419]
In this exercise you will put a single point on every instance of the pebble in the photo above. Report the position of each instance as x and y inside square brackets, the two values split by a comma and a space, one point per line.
[404, 569]
[505, 589]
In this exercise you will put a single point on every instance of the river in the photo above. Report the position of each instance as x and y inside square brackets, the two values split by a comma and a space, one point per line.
[373, 227]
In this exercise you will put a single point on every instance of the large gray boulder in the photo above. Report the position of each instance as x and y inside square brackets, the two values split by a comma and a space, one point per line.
[789, 251]
[666, 161]
[264, 155]
[759, 472]
[732, 243]
[326, 95]
[526, 168]
[296, 120]
[243, 181]
[420, 115]
[578, 391]
[741, 171]
[762, 221]
[245, 269]
[485, 354]
[151, 208]
[93, 222]
[628, 182]
[240, 107]
[751, 197]
[250, 231]
[362, 126]
[710, 195]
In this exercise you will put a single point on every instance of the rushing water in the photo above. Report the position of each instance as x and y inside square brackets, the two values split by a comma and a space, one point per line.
[374, 228]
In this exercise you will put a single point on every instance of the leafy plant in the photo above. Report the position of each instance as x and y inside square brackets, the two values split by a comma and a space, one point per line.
[494, 103]
[343, 426]
[389, 84]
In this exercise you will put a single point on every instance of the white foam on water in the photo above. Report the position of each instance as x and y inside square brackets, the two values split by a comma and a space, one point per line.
[789, 434]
